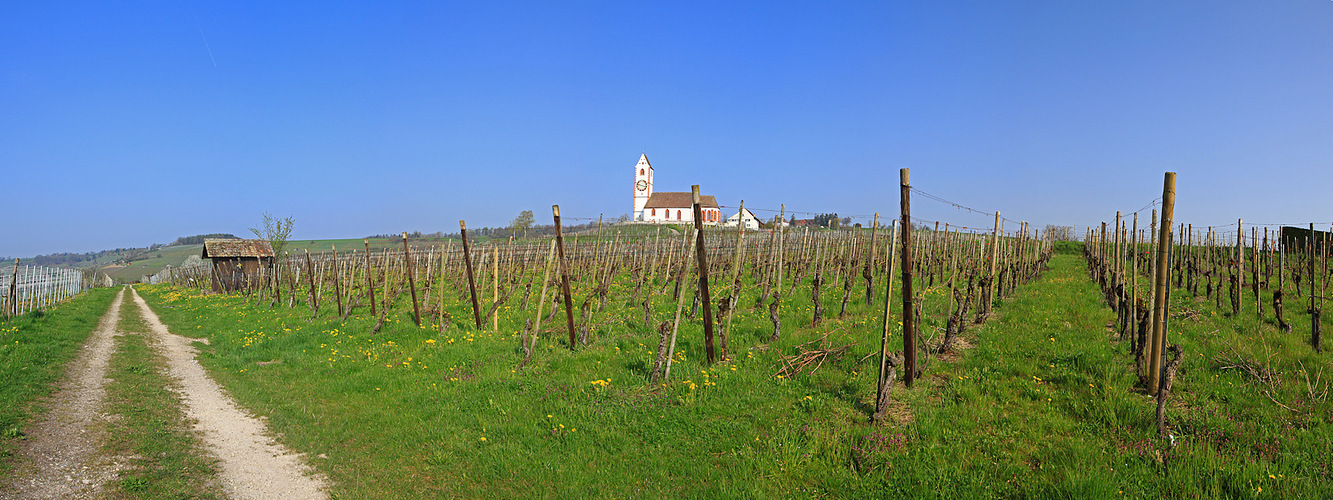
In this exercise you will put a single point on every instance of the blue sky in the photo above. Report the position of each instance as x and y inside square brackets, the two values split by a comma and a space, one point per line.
[125, 125]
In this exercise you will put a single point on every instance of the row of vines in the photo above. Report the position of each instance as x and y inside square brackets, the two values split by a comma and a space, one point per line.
[667, 281]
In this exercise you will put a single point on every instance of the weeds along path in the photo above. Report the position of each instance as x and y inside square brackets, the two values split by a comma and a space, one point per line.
[62, 447]
[252, 464]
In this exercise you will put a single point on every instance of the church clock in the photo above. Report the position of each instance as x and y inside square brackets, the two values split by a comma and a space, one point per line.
[641, 185]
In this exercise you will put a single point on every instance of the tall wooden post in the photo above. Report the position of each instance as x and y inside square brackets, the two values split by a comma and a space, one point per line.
[337, 281]
[735, 281]
[994, 261]
[495, 286]
[909, 318]
[411, 282]
[439, 280]
[1316, 312]
[1134, 282]
[1160, 282]
[564, 274]
[13, 290]
[1240, 266]
[471, 279]
[870, 262]
[888, 302]
[310, 274]
[702, 254]
[370, 276]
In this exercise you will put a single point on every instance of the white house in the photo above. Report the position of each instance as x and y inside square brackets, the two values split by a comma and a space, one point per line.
[747, 217]
[671, 206]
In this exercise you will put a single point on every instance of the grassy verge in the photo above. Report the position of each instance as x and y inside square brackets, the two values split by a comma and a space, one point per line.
[1044, 405]
[34, 350]
[167, 461]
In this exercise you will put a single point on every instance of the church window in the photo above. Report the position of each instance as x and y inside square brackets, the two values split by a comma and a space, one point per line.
[654, 212]
[678, 215]
[641, 171]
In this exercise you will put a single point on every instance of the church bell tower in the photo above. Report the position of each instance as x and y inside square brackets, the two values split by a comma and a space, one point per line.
[643, 185]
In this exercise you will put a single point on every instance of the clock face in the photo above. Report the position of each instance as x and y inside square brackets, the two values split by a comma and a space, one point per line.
[641, 185]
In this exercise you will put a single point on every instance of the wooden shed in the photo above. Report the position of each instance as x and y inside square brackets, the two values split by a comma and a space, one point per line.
[235, 260]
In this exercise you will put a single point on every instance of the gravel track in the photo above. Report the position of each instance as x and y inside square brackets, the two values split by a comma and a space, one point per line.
[252, 464]
[61, 451]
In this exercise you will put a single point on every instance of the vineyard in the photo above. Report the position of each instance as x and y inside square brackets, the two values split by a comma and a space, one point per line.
[904, 359]
[32, 288]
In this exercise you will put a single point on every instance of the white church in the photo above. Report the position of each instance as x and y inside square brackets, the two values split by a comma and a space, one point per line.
[676, 206]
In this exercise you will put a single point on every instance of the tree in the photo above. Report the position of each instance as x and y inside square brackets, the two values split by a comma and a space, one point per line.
[276, 231]
[825, 220]
[1060, 233]
[522, 223]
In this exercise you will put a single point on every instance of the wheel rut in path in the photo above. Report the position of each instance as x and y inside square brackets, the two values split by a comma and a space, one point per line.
[252, 464]
[61, 450]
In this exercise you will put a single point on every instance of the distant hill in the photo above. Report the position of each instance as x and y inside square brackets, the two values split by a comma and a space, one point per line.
[198, 239]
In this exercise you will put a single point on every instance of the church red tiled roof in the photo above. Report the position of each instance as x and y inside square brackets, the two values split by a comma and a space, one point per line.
[679, 200]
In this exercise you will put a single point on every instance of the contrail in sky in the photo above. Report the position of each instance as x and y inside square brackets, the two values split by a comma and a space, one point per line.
[210, 49]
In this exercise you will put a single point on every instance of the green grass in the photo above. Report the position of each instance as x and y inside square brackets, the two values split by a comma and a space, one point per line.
[168, 461]
[34, 349]
[1044, 405]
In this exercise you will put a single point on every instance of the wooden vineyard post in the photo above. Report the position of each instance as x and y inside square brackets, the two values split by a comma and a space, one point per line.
[1315, 310]
[537, 327]
[564, 274]
[13, 290]
[1240, 267]
[370, 277]
[1134, 283]
[495, 286]
[735, 281]
[337, 282]
[471, 279]
[702, 255]
[675, 326]
[411, 281]
[439, 282]
[870, 262]
[774, 307]
[277, 281]
[885, 371]
[1160, 281]
[909, 338]
[989, 294]
[310, 275]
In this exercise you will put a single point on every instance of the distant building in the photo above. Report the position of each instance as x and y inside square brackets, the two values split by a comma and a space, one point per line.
[748, 218]
[668, 207]
[235, 260]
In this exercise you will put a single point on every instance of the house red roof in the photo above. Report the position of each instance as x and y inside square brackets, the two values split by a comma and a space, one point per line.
[679, 200]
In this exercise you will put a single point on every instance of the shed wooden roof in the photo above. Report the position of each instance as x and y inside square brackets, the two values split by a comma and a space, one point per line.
[679, 199]
[237, 248]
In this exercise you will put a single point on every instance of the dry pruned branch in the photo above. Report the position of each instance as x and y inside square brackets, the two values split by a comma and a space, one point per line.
[1317, 394]
[1232, 360]
[808, 360]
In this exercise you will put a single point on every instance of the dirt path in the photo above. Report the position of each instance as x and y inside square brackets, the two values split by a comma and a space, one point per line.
[252, 464]
[63, 447]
